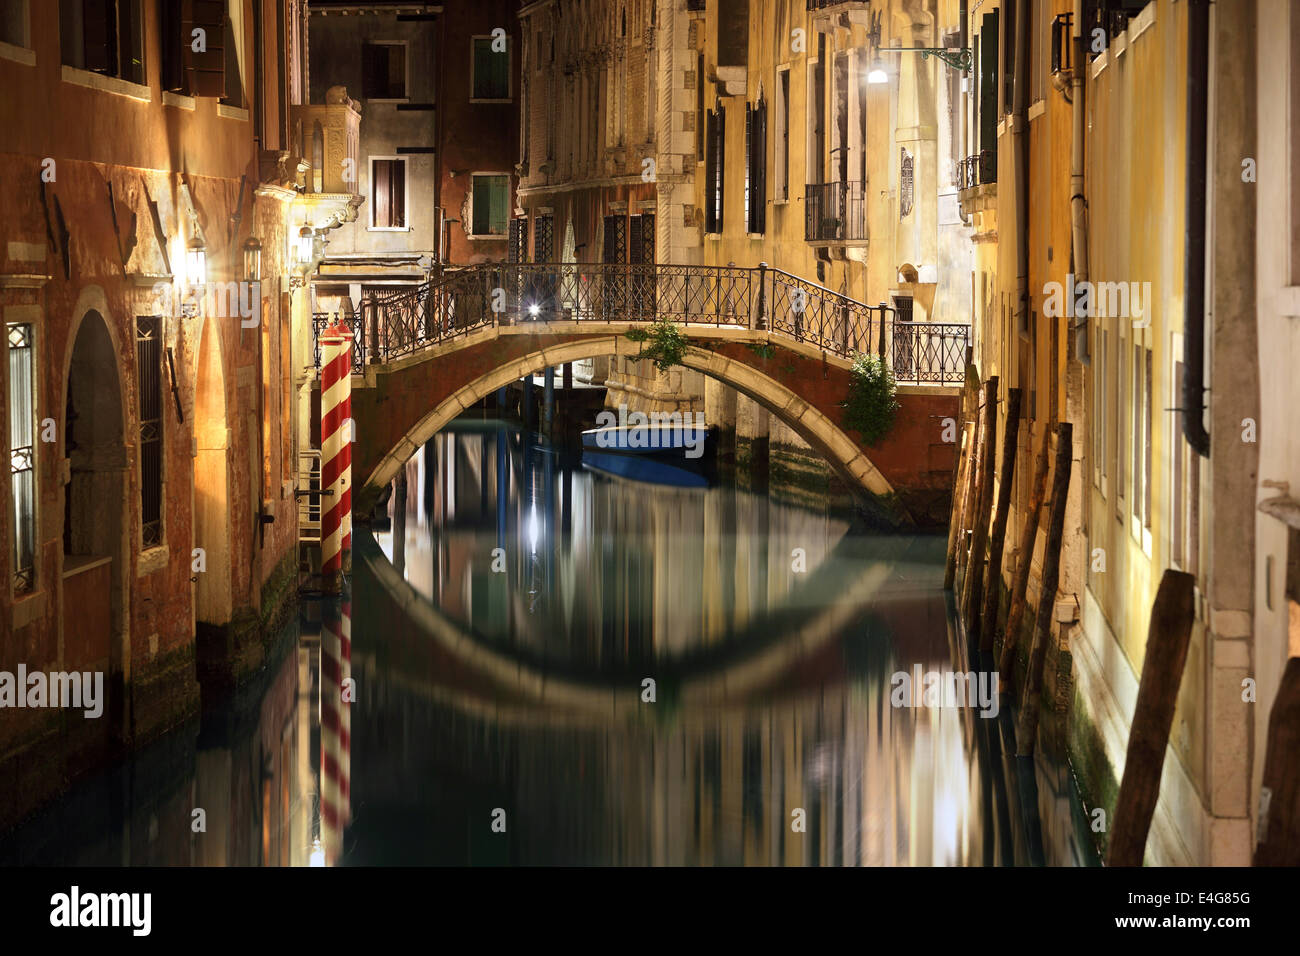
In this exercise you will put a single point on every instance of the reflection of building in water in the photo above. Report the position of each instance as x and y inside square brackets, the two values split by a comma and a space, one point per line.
[240, 765]
[877, 785]
[601, 569]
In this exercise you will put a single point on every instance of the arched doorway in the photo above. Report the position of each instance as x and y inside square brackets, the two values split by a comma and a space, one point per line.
[94, 552]
[212, 604]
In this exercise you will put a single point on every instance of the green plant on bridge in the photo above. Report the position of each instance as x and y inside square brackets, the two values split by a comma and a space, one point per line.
[872, 402]
[663, 343]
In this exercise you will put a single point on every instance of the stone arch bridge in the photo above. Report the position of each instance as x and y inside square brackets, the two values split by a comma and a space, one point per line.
[422, 356]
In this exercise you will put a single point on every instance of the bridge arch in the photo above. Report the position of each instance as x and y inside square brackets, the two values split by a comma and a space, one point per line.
[819, 431]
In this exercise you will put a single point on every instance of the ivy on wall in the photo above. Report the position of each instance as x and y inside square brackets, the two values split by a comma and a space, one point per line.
[872, 401]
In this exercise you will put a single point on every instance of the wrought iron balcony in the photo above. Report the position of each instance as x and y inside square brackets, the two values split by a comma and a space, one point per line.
[835, 212]
[978, 170]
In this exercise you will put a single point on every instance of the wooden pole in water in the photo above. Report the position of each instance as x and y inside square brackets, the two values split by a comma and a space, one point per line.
[1028, 729]
[979, 541]
[1024, 564]
[1162, 672]
[968, 496]
[956, 522]
[986, 624]
[1279, 843]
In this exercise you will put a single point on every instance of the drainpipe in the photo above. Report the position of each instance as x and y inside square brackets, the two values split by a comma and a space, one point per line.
[1020, 154]
[1198, 45]
[1078, 201]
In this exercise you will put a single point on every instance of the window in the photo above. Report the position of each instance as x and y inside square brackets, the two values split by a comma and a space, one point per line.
[491, 71]
[22, 453]
[815, 172]
[756, 167]
[715, 171]
[383, 70]
[987, 62]
[103, 36]
[13, 22]
[641, 245]
[517, 241]
[1039, 36]
[544, 239]
[1100, 380]
[388, 193]
[781, 184]
[148, 360]
[1009, 11]
[234, 53]
[490, 200]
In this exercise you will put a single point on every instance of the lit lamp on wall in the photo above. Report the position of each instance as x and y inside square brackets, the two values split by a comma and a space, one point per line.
[877, 74]
[304, 256]
[196, 275]
[252, 260]
[196, 262]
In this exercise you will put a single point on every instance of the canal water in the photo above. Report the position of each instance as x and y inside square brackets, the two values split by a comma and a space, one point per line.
[553, 665]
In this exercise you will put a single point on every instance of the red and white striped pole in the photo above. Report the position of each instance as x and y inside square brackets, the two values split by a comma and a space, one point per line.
[345, 710]
[336, 453]
[331, 815]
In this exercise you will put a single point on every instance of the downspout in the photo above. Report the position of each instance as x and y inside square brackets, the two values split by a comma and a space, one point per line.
[1193, 398]
[1020, 155]
[1078, 201]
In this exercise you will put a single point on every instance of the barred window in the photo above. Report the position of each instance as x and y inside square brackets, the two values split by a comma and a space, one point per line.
[715, 172]
[22, 452]
[148, 358]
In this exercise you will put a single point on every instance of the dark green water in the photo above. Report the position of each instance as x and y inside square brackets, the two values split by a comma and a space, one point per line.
[553, 666]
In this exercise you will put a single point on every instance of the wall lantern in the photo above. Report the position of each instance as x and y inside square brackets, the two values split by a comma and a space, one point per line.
[305, 249]
[878, 74]
[196, 262]
[252, 260]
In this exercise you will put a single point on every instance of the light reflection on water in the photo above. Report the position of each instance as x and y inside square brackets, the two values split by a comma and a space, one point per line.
[771, 739]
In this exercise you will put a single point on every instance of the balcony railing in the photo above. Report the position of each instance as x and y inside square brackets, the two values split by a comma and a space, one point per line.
[319, 320]
[977, 170]
[828, 4]
[835, 212]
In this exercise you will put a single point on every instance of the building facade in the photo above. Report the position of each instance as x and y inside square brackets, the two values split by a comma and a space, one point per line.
[152, 327]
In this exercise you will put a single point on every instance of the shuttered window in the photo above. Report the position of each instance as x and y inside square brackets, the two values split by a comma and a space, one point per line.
[22, 453]
[104, 36]
[491, 80]
[756, 167]
[491, 193]
[383, 71]
[544, 239]
[715, 172]
[148, 358]
[516, 248]
[388, 193]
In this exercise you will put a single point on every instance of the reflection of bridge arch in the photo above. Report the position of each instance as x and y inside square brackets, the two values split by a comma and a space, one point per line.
[804, 417]
[503, 681]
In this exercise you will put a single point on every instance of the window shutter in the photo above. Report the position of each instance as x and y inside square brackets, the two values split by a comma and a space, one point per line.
[206, 70]
[374, 71]
[760, 163]
[397, 194]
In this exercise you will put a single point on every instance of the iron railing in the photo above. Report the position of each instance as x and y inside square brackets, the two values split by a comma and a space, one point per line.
[977, 170]
[814, 5]
[463, 301]
[319, 320]
[930, 352]
[835, 211]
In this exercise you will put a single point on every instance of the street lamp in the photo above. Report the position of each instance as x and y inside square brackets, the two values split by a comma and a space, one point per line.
[196, 262]
[305, 248]
[957, 58]
[878, 74]
[252, 260]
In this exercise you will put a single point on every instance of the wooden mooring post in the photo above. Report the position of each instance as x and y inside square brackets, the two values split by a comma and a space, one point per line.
[1162, 673]
[1279, 810]
[956, 524]
[979, 541]
[969, 495]
[1024, 564]
[986, 624]
[1028, 728]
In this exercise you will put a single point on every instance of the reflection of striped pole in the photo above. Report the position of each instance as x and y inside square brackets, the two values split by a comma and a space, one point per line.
[335, 401]
[346, 459]
[331, 817]
[345, 711]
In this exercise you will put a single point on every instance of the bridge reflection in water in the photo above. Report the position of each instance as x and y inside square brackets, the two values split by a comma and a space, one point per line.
[521, 690]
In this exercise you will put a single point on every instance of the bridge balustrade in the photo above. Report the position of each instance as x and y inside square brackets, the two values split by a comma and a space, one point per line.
[459, 301]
